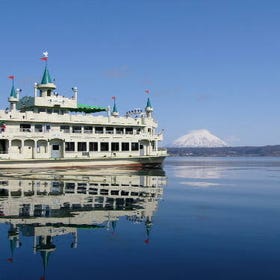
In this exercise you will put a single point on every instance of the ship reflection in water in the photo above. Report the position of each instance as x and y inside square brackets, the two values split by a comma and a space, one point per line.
[52, 203]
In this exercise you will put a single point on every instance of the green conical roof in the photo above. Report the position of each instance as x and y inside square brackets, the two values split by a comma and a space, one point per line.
[46, 77]
[148, 225]
[13, 92]
[149, 103]
[115, 110]
[13, 245]
[45, 256]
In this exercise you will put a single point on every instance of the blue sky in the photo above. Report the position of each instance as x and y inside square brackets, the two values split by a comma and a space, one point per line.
[212, 64]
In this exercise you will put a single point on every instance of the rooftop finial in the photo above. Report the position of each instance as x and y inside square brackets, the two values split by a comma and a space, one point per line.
[45, 56]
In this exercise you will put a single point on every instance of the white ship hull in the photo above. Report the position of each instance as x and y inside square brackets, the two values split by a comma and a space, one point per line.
[148, 161]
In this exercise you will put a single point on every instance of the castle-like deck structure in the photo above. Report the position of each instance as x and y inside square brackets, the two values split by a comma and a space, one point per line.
[49, 126]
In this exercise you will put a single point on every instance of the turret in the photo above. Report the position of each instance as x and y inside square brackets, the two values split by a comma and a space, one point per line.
[46, 86]
[149, 109]
[14, 95]
[75, 91]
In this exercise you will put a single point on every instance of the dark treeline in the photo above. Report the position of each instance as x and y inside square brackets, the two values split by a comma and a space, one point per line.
[226, 151]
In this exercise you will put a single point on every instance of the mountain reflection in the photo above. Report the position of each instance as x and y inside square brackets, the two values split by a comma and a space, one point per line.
[52, 203]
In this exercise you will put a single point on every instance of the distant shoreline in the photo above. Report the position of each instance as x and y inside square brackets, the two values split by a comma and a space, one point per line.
[246, 151]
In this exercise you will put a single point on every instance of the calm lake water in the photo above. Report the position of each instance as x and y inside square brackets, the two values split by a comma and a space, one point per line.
[198, 218]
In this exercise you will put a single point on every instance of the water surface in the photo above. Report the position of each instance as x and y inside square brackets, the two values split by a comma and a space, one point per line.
[199, 218]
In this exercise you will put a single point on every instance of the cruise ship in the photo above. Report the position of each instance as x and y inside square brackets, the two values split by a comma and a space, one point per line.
[49, 129]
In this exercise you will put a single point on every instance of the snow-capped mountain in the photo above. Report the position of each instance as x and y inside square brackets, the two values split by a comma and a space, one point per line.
[199, 138]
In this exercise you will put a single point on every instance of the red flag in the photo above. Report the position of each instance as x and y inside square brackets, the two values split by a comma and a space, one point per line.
[147, 91]
[10, 260]
[11, 77]
[147, 241]
[114, 97]
[45, 58]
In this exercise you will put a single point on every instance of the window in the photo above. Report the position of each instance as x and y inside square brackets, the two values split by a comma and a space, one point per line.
[93, 146]
[25, 127]
[77, 129]
[55, 147]
[115, 146]
[69, 146]
[125, 146]
[88, 129]
[129, 130]
[38, 128]
[41, 110]
[65, 128]
[109, 130]
[82, 146]
[99, 130]
[134, 146]
[119, 130]
[104, 146]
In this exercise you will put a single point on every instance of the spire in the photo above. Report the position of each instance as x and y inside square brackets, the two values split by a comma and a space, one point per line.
[148, 225]
[114, 225]
[45, 257]
[115, 112]
[45, 247]
[13, 91]
[46, 86]
[46, 77]
[149, 104]
[13, 242]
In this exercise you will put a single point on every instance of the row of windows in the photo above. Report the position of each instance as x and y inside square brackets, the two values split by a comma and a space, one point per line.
[81, 129]
[103, 146]
[97, 129]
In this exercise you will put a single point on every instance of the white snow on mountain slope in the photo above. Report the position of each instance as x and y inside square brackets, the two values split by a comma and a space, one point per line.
[199, 138]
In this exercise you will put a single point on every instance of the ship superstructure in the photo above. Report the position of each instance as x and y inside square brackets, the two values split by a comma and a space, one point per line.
[56, 130]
